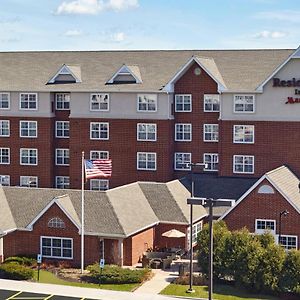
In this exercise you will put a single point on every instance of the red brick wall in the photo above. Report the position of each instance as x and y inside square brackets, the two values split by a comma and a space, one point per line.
[274, 146]
[122, 146]
[264, 206]
[136, 245]
[189, 83]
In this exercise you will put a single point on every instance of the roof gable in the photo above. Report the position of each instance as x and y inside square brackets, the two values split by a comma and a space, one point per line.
[126, 74]
[66, 74]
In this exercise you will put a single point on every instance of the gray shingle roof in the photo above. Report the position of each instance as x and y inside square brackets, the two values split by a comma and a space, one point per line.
[240, 70]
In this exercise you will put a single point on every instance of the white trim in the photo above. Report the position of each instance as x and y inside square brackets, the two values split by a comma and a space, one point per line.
[146, 169]
[293, 55]
[111, 80]
[2, 176]
[28, 93]
[28, 177]
[99, 123]
[52, 80]
[146, 140]
[59, 238]
[5, 148]
[29, 136]
[183, 169]
[237, 142]
[62, 176]
[99, 181]
[6, 93]
[243, 155]
[212, 96]
[175, 103]
[183, 140]
[287, 236]
[69, 101]
[244, 112]
[3, 136]
[206, 163]
[99, 151]
[62, 137]
[210, 141]
[147, 110]
[261, 231]
[29, 164]
[63, 157]
[108, 102]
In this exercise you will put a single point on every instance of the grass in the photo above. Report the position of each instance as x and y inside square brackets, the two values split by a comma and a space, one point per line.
[48, 277]
[221, 292]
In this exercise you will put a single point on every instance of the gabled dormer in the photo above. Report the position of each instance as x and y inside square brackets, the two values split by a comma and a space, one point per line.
[66, 74]
[126, 74]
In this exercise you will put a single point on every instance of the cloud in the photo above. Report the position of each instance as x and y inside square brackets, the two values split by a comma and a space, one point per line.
[266, 34]
[93, 7]
[292, 16]
[117, 37]
[73, 33]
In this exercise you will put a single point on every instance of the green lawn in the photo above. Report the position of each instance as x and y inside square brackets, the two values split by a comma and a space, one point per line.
[48, 277]
[221, 292]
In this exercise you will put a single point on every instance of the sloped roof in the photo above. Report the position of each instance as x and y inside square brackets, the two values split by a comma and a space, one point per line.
[241, 70]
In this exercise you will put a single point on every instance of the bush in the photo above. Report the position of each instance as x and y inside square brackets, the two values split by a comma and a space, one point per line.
[15, 271]
[112, 274]
[197, 280]
[25, 261]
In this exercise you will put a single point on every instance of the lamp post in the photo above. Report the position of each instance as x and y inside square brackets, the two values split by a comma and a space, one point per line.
[192, 166]
[282, 213]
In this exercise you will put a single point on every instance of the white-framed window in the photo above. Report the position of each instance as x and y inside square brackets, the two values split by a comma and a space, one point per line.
[62, 182]
[211, 160]
[211, 103]
[97, 154]
[28, 156]
[56, 247]
[195, 232]
[183, 103]
[243, 134]
[4, 101]
[99, 102]
[5, 180]
[243, 164]
[99, 184]
[62, 101]
[99, 131]
[210, 132]
[183, 132]
[29, 181]
[62, 129]
[263, 225]
[28, 129]
[4, 156]
[28, 101]
[4, 128]
[62, 157]
[56, 222]
[147, 102]
[244, 104]
[182, 161]
[289, 242]
[146, 132]
[146, 161]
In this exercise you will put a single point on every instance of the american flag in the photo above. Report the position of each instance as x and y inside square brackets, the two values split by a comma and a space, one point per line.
[98, 168]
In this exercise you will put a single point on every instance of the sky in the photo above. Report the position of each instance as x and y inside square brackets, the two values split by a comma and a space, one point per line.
[148, 24]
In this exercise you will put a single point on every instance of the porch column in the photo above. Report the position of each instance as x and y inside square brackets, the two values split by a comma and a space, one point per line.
[120, 246]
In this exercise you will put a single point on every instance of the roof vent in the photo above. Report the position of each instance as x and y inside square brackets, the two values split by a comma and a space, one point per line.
[66, 74]
[125, 75]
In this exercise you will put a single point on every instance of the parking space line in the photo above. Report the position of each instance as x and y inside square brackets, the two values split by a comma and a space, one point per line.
[12, 297]
[48, 297]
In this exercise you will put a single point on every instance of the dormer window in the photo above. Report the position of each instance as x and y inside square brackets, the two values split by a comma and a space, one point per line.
[66, 74]
[56, 222]
[126, 75]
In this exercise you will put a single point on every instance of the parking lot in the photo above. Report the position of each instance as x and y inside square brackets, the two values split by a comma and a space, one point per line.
[18, 295]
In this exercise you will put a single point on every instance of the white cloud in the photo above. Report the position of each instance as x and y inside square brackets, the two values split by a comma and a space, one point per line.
[117, 37]
[93, 7]
[266, 34]
[73, 33]
[292, 16]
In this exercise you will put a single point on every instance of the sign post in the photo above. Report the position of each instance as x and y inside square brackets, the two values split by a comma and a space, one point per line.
[39, 261]
[102, 263]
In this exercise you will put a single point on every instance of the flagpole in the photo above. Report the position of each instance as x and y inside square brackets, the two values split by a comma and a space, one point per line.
[82, 212]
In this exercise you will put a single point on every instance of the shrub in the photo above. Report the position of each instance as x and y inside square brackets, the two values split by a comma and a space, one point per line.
[25, 261]
[15, 271]
[112, 274]
[197, 280]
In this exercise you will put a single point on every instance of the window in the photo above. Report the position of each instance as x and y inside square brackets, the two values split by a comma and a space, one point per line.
[244, 104]
[146, 132]
[4, 156]
[28, 156]
[99, 184]
[211, 160]
[211, 103]
[99, 131]
[28, 101]
[62, 101]
[183, 103]
[4, 128]
[146, 161]
[147, 103]
[95, 154]
[262, 225]
[243, 164]
[243, 134]
[28, 129]
[195, 232]
[99, 102]
[62, 129]
[62, 182]
[62, 157]
[182, 161]
[210, 132]
[4, 101]
[183, 132]
[56, 222]
[56, 247]
[289, 242]
[29, 181]
[5, 180]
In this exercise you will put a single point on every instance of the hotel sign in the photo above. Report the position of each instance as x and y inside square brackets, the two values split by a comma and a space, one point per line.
[277, 82]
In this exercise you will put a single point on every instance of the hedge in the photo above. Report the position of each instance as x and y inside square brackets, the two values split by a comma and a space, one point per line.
[25, 261]
[15, 271]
